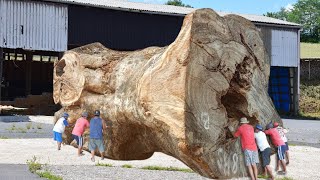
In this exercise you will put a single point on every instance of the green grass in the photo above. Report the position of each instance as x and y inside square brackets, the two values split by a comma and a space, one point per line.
[21, 130]
[290, 144]
[285, 178]
[310, 50]
[48, 175]
[102, 164]
[4, 137]
[28, 126]
[159, 168]
[262, 177]
[34, 166]
[126, 166]
[39, 126]
[12, 128]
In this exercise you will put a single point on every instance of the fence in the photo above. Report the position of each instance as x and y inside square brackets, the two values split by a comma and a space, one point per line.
[310, 69]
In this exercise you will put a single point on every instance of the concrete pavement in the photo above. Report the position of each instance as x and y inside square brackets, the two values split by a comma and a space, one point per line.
[303, 132]
[16, 172]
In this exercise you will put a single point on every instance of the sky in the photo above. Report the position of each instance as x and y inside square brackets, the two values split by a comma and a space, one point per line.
[257, 7]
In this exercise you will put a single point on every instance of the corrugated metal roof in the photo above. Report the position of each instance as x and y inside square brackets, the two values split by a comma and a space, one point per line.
[164, 9]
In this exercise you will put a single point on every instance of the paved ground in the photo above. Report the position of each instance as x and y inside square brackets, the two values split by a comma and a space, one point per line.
[22, 146]
[303, 132]
[16, 172]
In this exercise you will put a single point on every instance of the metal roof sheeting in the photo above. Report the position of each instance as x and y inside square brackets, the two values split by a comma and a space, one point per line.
[33, 25]
[164, 9]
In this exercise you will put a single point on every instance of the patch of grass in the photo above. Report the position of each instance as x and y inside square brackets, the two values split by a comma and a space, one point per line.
[21, 130]
[48, 175]
[28, 126]
[290, 144]
[285, 178]
[262, 177]
[159, 168]
[103, 164]
[39, 126]
[126, 166]
[34, 166]
[12, 128]
[4, 137]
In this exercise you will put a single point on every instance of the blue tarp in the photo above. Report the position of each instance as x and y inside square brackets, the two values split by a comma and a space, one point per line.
[279, 88]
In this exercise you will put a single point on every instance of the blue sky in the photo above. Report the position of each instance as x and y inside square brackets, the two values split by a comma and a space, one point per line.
[257, 7]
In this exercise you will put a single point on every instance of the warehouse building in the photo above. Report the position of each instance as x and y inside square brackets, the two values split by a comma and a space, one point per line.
[35, 33]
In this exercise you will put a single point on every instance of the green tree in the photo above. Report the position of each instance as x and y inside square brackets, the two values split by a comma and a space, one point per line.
[177, 3]
[306, 13]
[282, 14]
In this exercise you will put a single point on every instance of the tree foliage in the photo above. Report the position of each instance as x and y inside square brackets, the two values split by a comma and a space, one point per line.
[177, 3]
[306, 13]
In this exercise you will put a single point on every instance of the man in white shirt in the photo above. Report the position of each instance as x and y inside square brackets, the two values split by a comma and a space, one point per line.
[59, 128]
[265, 150]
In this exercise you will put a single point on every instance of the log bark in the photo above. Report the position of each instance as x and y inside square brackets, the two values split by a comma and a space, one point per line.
[183, 100]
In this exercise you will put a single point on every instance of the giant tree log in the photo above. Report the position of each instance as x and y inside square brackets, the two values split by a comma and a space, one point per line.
[182, 100]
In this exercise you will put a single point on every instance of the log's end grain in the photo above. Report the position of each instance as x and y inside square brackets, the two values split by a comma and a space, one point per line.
[184, 100]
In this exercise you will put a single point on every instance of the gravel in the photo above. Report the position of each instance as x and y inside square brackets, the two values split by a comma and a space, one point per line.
[118, 173]
[20, 147]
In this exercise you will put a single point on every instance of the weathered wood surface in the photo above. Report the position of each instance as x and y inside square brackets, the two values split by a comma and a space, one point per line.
[181, 100]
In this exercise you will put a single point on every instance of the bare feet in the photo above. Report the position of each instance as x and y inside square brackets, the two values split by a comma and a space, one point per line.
[92, 159]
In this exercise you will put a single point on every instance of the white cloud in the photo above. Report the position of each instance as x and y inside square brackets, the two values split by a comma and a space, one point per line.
[289, 7]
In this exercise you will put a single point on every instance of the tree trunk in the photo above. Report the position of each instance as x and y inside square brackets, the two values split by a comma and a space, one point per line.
[184, 100]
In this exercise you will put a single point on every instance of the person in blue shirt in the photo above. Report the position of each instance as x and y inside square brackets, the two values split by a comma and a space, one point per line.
[97, 129]
[59, 128]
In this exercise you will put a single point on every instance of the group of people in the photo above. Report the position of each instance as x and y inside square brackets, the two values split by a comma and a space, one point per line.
[97, 129]
[254, 138]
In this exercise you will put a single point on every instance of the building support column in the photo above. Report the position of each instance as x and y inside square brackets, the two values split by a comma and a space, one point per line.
[60, 54]
[295, 91]
[1, 72]
[29, 56]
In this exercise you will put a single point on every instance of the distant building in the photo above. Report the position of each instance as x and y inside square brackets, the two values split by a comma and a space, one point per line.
[35, 33]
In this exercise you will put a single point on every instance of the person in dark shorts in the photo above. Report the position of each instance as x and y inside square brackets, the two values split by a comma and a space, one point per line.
[78, 130]
[265, 150]
[97, 128]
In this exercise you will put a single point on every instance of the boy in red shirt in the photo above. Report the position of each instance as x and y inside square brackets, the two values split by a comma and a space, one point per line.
[249, 147]
[78, 130]
[278, 142]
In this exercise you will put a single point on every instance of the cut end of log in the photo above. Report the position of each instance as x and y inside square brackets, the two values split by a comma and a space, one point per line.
[184, 100]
